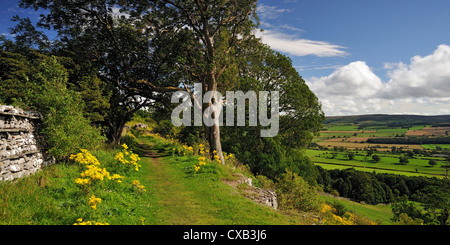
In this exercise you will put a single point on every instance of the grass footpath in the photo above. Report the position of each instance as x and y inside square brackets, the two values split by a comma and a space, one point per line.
[185, 196]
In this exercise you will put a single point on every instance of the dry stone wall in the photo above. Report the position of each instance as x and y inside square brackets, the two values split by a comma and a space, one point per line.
[20, 152]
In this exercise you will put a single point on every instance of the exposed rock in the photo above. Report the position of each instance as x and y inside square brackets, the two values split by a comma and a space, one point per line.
[259, 195]
[20, 153]
[141, 126]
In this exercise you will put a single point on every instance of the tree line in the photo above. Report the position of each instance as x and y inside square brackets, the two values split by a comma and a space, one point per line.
[375, 188]
[410, 140]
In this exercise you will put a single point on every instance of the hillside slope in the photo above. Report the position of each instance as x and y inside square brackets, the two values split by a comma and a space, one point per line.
[389, 120]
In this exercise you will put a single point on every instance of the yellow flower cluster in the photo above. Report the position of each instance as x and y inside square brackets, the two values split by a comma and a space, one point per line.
[217, 158]
[229, 156]
[138, 185]
[329, 218]
[81, 222]
[188, 149]
[85, 158]
[93, 201]
[93, 172]
[201, 162]
[201, 149]
[127, 157]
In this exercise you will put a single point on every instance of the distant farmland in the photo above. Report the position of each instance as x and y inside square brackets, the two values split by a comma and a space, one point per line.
[379, 147]
[418, 138]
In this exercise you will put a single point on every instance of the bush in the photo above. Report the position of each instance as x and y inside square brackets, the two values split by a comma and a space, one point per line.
[64, 127]
[295, 193]
[165, 128]
[376, 158]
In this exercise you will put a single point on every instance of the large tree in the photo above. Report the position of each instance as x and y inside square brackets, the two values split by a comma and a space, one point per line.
[217, 29]
[300, 113]
[119, 41]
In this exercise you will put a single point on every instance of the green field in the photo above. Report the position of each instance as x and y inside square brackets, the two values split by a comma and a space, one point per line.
[353, 131]
[437, 146]
[389, 163]
[343, 128]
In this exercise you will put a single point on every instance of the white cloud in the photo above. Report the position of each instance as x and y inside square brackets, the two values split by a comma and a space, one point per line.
[354, 79]
[270, 12]
[299, 47]
[7, 34]
[427, 76]
[348, 90]
[421, 87]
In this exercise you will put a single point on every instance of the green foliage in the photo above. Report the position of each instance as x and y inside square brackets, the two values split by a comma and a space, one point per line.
[295, 193]
[40, 83]
[376, 158]
[405, 212]
[64, 127]
[165, 128]
[403, 160]
[436, 201]
[93, 91]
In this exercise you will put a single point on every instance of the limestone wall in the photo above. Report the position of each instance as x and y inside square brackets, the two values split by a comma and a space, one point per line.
[20, 152]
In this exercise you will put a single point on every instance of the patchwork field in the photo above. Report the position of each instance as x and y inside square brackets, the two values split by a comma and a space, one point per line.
[341, 138]
[388, 163]
[378, 147]
[429, 131]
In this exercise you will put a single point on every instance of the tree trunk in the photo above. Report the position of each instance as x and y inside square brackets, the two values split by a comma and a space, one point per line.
[115, 130]
[213, 132]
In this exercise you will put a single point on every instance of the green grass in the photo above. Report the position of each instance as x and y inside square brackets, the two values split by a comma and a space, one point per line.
[51, 197]
[190, 197]
[418, 127]
[343, 128]
[389, 163]
[175, 194]
[433, 146]
[382, 214]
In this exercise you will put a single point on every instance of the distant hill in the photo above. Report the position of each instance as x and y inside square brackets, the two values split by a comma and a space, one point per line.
[384, 120]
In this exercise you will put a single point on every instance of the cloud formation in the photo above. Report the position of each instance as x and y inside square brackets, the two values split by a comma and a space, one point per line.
[427, 76]
[421, 87]
[299, 47]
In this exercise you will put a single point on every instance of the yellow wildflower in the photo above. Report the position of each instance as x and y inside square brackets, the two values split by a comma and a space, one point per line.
[138, 185]
[93, 201]
[81, 222]
[85, 158]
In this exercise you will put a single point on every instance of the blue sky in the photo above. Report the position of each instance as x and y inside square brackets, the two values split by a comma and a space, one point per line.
[365, 57]
[358, 56]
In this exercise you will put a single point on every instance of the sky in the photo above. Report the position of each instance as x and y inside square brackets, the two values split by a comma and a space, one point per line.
[366, 57]
[357, 56]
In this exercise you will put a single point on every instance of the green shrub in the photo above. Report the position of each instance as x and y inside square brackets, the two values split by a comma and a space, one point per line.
[295, 193]
[64, 126]
[165, 128]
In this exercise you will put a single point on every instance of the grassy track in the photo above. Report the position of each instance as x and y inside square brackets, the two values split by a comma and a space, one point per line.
[202, 198]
